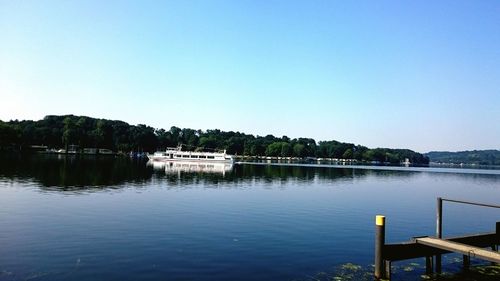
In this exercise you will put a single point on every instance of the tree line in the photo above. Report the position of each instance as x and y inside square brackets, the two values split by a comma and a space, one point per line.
[478, 157]
[86, 132]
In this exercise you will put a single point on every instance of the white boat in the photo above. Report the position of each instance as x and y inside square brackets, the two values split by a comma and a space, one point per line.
[176, 154]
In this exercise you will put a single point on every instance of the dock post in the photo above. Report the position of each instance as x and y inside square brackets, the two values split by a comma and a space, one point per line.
[379, 246]
[466, 262]
[498, 231]
[428, 265]
[439, 229]
[388, 269]
[494, 247]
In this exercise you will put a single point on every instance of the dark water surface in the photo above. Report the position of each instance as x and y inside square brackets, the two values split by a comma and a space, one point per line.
[117, 219]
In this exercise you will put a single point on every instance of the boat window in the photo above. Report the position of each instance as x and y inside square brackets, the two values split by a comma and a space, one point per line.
[210, 157]
[203, 156]
[194, 156]
[185, 156]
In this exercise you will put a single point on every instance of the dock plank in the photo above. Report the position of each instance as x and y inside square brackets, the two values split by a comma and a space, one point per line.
[459, 248]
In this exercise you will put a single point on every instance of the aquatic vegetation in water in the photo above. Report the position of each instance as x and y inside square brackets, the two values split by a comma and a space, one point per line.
[411, 266]
[351, 267]
[354, 272]
[345, 272]
[475, 273]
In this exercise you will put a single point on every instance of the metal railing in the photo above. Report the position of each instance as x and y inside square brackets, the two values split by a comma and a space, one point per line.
[439, 219]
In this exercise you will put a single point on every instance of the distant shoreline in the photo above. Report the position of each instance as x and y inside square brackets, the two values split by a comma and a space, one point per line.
[77, 133]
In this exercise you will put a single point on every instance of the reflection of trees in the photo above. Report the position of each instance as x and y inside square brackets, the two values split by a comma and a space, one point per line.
[95, 173]
[254, 173]
[250, 173]
[75, 172]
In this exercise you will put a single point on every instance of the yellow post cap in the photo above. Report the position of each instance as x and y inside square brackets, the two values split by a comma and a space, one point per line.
[380, 220]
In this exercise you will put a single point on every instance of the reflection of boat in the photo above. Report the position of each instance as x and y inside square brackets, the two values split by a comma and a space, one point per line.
[176, 154]
[192, 167]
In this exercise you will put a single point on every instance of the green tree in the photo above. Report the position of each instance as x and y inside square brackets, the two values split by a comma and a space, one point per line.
[103, 134]
[286, 149]
[9, 135]
[143, 138]
[70, 132]
[299, 150]
[347, 154]
[208, 142]
[274, 149]
[189, 137]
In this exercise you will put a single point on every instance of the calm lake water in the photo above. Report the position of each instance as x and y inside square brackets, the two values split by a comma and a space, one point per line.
[117, 219]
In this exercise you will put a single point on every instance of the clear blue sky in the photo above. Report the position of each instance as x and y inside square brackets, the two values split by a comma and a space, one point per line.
[423, 75]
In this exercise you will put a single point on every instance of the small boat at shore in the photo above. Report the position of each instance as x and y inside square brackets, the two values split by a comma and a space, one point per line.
[177, 154]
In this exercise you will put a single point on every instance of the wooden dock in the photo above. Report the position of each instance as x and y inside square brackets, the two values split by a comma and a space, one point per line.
[431, 248]
[471, 251]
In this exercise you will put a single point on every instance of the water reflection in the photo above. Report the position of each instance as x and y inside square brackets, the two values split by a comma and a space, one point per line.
[178, 167]
[54, 172]
[96, 173]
